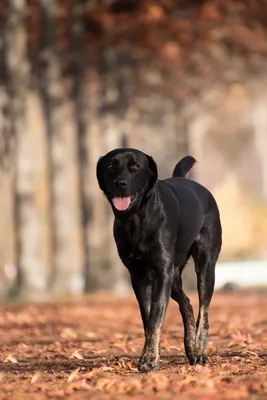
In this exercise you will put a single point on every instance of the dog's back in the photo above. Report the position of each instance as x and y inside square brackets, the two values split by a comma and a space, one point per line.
[198, 206]
[181, 185]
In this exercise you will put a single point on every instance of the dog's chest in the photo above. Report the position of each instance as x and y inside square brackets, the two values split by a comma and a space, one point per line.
[130, 239]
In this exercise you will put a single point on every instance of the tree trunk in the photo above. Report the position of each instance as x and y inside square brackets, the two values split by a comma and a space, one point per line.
[26, 224]
[106, 133]
[66, 269]
[260, 137]
[77, 67]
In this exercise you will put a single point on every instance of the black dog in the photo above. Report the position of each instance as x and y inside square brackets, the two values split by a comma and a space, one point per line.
[158, 225]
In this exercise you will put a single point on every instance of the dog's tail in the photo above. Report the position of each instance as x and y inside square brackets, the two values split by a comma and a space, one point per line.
[183, 167]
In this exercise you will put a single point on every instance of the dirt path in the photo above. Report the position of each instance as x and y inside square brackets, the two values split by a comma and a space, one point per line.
[88, 348]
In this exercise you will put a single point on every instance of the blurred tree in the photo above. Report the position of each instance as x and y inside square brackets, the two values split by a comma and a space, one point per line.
[78, 62]
[118, 73]
[60, 130]
[106, 270]
[25, 215]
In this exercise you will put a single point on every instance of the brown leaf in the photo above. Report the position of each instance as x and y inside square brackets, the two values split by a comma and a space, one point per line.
[242, 337]
[36, 376]
[90, 335]
[68, 333]
[77, 355]
[171, 51]
[104, 384]
[155, 13]
[11, 359]
[95, 373]
[131, 367]
[210, 12]
[74, 375]
[158, 381]
[250, 353]
[106, 368]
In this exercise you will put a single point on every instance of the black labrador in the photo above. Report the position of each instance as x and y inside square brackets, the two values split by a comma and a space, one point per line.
[158, 225]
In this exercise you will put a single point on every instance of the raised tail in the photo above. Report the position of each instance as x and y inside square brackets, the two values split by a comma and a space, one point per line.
[183, 167]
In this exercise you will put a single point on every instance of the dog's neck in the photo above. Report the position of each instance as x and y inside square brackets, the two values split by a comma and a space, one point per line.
[136, 223]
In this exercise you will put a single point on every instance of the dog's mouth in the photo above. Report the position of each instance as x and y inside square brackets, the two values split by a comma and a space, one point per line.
[123, 203]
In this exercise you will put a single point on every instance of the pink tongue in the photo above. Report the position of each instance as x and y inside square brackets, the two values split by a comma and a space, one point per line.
[121, 203]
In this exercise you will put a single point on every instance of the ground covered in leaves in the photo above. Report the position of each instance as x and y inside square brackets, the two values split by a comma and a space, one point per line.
[88, 348]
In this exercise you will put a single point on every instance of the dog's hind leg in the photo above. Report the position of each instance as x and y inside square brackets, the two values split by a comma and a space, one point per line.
[187, 313]
[205, 252]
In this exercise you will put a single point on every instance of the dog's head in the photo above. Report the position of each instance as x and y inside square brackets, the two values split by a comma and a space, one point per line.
[126, 176]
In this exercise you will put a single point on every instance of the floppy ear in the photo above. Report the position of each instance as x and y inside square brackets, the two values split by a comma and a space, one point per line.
[99, 173]
[154, 172]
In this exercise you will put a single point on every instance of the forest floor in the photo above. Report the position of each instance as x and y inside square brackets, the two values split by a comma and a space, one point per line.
[88, 348]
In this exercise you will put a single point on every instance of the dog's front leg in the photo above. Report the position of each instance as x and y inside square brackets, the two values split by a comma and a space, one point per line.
[161, 291]
[142, 286]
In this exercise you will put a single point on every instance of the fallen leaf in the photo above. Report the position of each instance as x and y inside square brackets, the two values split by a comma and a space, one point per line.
[36, 376]
[94, 374]
[131, 367]
[106, 368]
[73, 375]
[77, 355]
[11, 359]
[158, 381]
[90, 335]
[68, 333]
[242, 337]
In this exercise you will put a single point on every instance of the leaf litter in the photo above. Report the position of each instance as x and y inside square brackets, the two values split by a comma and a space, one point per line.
[89, 348]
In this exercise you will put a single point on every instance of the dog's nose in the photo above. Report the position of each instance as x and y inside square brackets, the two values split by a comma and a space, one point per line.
[122, 183]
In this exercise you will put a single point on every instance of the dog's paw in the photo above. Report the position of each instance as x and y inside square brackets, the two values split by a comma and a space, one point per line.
[191, 355]
[148, 362]
[192, 360]
[202, 360]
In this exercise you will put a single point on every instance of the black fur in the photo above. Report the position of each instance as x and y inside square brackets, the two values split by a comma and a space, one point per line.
[167, 222]
[183, 167]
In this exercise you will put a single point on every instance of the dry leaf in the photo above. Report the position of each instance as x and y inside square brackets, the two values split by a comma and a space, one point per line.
[68, 333]
[158, 381]
[36, 376]
[131, 367]
[11, 359]
[210, 12]
[250, 353]
[93, 374]
[155, 13]
[90, 335]
[74, 374]
[234, 373]
[242, 337]
[104, 384]
[106, 368]
[77, 355]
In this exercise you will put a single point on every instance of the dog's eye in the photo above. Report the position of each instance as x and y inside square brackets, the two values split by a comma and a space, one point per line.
[110, 165]
[134, 167]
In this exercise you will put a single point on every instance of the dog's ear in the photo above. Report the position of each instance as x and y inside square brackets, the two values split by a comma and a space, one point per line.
[99, 173]
[153, 172]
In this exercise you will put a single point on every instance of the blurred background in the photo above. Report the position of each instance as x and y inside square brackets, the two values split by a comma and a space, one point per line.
[169, 77]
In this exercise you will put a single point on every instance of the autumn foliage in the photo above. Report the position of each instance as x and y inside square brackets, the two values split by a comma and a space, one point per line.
[88, 348]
